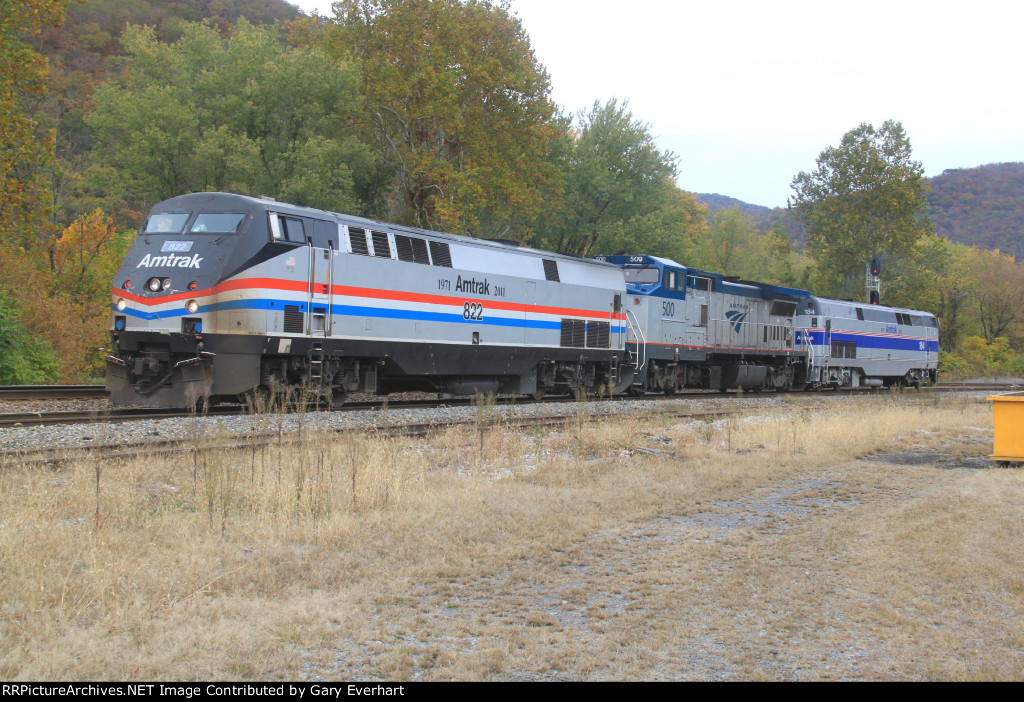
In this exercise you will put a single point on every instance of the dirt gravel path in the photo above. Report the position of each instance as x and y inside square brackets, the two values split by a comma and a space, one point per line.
[866, 569]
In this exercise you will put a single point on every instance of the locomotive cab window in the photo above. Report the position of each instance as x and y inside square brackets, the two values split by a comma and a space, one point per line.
[643, 276]
[674, 280]
[287, 229]
[699, 282]
[171, 223]
[293, 230]
[216, 223]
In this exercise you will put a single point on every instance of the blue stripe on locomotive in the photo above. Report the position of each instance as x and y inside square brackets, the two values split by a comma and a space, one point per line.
[817, 338]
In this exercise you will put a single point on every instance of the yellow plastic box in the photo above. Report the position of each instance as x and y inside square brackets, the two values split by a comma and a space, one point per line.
[1008, 424]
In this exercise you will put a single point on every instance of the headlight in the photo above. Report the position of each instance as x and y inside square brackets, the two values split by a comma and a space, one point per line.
[121, 304]
[166, 283]
[192, 306]
[154, 284]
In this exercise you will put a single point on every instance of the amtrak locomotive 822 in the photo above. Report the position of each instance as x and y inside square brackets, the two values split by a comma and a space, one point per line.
[224, 296]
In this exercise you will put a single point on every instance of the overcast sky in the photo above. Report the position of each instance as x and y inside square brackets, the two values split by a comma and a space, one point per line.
[748, 93]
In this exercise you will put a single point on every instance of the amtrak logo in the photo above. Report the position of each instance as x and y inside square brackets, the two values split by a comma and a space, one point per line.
[172, 261]
[736, 319]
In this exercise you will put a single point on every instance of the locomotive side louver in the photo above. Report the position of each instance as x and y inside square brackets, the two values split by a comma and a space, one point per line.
[573, 333]
[598, 335]
[294, 322]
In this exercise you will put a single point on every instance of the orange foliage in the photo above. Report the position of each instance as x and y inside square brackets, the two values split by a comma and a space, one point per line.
[80, 248]
[65, 300]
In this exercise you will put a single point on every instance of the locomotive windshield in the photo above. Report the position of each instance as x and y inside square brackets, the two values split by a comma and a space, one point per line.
[166, 223]
[642, 275]
[217, 223]
[205, 223]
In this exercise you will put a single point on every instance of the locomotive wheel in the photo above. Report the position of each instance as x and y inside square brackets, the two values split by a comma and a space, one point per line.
[538, 394]
[255, 397]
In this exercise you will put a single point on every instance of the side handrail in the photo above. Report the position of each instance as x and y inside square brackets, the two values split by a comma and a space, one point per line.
[641, 342]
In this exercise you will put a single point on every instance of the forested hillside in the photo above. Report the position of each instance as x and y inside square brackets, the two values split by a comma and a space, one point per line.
[981, 206]
[434, 114]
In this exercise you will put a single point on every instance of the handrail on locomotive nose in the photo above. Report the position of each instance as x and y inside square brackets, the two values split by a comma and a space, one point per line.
[634, 326]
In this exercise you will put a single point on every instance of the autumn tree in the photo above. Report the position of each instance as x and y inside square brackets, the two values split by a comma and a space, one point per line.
[614, 182]
[241, 113]
[456, 106]
[866, 199]
[87, 255]
[24, 192]
[999, 292]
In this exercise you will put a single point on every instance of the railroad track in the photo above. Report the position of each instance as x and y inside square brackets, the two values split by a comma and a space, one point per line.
[254, 440]
[387, 426]
[51, 392]
[116, 415]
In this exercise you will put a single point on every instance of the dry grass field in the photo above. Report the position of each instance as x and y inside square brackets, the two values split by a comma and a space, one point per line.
[844, 538]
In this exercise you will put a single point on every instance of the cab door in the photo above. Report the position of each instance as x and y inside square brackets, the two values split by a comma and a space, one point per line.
[320, 290]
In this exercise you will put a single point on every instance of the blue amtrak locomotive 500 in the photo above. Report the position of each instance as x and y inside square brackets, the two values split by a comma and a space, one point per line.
[225, 296]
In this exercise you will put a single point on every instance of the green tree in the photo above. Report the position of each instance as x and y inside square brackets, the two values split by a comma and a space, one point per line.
[25, 199]
[26, 360]
[615, 181]
[725, 248]
[866, 199]
[457, 107]
[242, 113]
[770, 257]
[952, 289]
[999, 293]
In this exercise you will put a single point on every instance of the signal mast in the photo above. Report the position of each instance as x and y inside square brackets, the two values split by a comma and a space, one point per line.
[872, 283]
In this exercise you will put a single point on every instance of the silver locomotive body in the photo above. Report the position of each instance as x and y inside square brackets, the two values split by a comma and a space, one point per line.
[693, 328]
[855, 344]
[223, 296]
